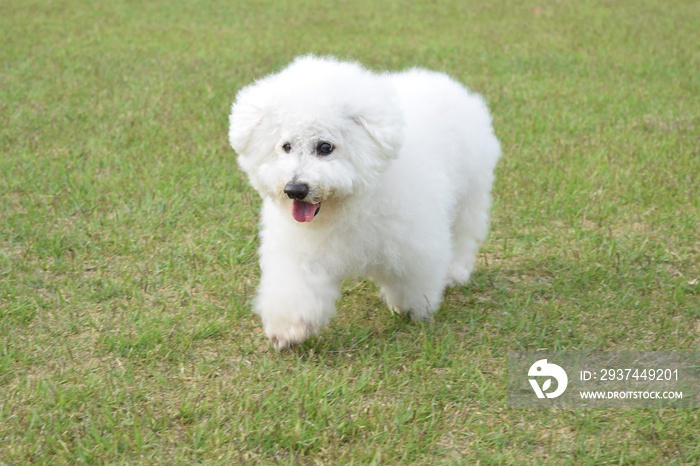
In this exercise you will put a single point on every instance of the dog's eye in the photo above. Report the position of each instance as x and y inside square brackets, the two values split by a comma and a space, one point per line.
[324, 148]
[287, 147]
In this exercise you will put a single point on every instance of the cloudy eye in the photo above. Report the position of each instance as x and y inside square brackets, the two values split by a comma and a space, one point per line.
[324, 148]
[287, 147]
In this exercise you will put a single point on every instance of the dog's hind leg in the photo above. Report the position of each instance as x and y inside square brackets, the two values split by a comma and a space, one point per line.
[469, 230]
[418, 292]
[420, 301]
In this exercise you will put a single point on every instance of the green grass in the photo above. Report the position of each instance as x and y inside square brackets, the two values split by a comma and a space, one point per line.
[127, 242]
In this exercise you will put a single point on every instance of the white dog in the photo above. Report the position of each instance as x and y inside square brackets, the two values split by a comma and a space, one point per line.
[362, 174]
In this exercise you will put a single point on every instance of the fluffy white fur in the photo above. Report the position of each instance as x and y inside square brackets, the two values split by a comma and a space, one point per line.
[403, 198]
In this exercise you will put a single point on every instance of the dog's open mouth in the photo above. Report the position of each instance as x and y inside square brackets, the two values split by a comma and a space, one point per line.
[304, 211]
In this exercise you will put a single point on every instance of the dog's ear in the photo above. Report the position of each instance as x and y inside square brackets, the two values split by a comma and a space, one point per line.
[385, 129]
[246, 117]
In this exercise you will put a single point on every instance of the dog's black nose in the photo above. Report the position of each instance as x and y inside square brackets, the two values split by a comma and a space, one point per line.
[296, 191]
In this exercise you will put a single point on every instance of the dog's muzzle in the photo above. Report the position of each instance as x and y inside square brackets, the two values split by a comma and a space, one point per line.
[297, 191]
[302, 210]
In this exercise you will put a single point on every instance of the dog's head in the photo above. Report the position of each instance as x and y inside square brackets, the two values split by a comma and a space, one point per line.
[319, 130]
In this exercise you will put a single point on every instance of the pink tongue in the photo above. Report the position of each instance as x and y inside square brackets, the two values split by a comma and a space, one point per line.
[303, 211]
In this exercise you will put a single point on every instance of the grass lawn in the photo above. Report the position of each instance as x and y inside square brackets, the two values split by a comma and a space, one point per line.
[128, 236]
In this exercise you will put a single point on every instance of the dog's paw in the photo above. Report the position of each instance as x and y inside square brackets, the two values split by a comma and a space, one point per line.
[458, 275]
[392, 299]
[421, 314]
[286, 336]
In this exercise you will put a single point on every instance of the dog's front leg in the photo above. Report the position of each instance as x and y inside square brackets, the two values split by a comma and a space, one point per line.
[295, 299]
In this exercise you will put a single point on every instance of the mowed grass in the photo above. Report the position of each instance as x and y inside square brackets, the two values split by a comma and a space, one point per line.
[128, 236]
